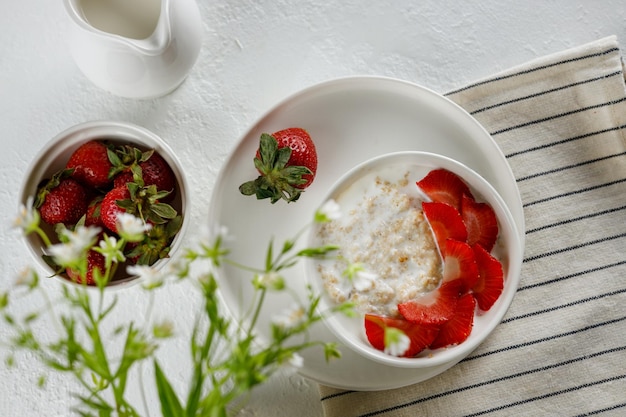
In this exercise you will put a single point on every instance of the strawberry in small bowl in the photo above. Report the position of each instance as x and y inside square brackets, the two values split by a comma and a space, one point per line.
[91, 175]
[429, 255]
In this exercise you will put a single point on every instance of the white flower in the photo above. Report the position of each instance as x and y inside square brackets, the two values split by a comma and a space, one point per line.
[65, 254]
[112, 249]
[27, 218]
[296, 361]
[131, 228]
[363, 280]
[272, 280]
[150, 277]
[329, 211]
[396, 342]
[28, 277]
[82, 238]
[75, 245]
[289, 318]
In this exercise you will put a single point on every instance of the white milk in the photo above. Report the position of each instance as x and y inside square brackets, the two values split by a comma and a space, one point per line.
[135, 19]
[384, 229]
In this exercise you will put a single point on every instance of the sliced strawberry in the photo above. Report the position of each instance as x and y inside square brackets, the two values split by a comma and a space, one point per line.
[458, 328]
[445, 222]
[490, 278]
[443, 186]
[460, 263]
[434, 307]
[480, 221]
[421, 335]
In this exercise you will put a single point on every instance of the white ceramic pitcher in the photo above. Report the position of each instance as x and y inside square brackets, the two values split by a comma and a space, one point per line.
[135, 48]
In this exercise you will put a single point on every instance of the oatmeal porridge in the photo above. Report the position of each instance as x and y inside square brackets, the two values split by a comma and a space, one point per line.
[382, 228]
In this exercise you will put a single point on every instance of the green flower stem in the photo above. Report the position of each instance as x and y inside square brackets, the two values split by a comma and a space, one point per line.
[94, 393]
[142, 391]
[242, 266]
[257, 311]
[43, 236]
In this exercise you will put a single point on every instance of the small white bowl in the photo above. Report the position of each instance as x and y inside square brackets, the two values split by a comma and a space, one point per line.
[392, 167]
[55, 154]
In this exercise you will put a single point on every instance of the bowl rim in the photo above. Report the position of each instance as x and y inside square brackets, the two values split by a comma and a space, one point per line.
[114, 130]
[514, 243]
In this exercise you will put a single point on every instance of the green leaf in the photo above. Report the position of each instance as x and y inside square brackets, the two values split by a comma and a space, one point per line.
[269, 255]
[4, 300]
[95, 404]
[137, 175]
[163, 210]
[170, 405]
[282, 157]
[293, 174]
[331, 351]
[143, 156]
[317, 252]
[267, 149]
[248, 188]
[287, 245]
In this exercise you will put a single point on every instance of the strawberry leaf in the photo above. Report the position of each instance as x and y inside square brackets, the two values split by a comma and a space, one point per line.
[282, 157]
[163, 210]
[267, 148]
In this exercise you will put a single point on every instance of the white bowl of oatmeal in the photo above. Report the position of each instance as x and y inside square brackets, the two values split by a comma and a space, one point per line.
[389, 256]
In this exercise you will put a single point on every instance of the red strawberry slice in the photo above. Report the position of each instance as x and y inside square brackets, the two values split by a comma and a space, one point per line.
[458, 328]
[490, 278]
[434, 307]
[480, 221]
[460, 263]
[443, 186]
[421, 335]
[445, 222]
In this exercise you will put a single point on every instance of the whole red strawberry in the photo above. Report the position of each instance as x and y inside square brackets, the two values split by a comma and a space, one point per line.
[110, 208]
[287, 163]
[156, 171]
[145, 168]
[62, 200]
[123, 178]
[90, 164]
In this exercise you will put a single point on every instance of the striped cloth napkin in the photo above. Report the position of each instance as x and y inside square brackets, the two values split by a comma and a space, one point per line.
[561, 349]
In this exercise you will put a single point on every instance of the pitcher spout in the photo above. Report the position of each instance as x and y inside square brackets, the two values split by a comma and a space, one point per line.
[142, 24]
[161, 36]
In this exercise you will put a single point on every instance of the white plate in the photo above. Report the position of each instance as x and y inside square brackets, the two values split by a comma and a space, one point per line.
[350, 120]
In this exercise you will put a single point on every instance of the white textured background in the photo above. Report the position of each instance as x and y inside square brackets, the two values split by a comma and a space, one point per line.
[255, 53]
